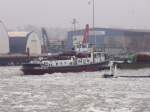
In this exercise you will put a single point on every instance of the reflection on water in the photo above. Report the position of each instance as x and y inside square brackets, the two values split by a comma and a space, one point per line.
[71, 92]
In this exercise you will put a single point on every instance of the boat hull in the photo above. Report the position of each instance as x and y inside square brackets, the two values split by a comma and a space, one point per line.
[29, 69]
[136, 65]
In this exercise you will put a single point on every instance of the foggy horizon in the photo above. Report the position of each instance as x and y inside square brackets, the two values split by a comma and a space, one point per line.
[53, 13]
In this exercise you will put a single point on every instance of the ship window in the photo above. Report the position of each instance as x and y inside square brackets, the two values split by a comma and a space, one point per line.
[98, 54]
[70, 63]
[79, 61]
[46, 63]
[84, 61]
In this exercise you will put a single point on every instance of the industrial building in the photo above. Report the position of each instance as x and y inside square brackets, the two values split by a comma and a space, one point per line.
[56, 46]
[24, 43]
[4, 41]
[112, 40]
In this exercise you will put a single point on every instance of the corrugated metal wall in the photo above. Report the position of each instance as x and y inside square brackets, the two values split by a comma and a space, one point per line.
[18, 45]
[115, 38]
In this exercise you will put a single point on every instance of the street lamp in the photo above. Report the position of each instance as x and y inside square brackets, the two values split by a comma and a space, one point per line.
[93, 13]
[94, 22]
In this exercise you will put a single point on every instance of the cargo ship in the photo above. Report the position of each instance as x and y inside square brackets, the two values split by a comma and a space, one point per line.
[67, 62]
[137, 61]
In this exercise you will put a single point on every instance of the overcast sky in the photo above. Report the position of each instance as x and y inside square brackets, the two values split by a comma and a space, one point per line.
[59, 13]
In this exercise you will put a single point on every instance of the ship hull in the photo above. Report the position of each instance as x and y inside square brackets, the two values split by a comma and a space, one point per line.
[136, 65]
[30, 69]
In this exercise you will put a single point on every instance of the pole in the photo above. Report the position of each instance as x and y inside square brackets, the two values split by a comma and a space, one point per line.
[93, 14]
[94, 23]
[74, 24]
[74, 31]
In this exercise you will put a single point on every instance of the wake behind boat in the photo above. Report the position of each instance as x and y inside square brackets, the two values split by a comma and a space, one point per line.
[68, 62]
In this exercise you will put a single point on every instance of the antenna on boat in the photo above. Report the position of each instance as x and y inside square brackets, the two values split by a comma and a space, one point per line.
[74, 22]
[93, 21]
[94, 24]
[75, 40]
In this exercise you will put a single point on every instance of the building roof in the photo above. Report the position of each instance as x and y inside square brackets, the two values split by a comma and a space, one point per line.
[117, 29]
[127, 29]
[18, 34]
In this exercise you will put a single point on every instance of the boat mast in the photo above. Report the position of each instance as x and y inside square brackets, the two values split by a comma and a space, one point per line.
[74, 31]
[94, 23]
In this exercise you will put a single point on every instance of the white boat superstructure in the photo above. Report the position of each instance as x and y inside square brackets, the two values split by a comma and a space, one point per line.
[93, 58]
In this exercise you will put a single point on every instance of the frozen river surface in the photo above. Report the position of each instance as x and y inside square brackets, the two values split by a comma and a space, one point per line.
[73, 92]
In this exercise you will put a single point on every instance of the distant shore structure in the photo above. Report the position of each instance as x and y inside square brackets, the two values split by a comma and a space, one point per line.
[113, 40]
[24, 43]
[4, 41]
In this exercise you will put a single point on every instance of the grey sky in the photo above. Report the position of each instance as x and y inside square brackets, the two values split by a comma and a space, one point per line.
[59, 13]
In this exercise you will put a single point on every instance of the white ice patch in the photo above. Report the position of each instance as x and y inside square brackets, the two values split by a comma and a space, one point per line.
[74, 92]
[92, 109]
[139, 72]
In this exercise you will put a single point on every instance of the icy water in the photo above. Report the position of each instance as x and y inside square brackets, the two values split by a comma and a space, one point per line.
[73, 92]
